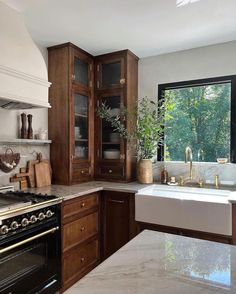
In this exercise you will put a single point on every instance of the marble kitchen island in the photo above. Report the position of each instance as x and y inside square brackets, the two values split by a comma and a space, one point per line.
[159, 263]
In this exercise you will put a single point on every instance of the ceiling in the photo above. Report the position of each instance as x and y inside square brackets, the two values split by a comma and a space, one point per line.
[147, 27]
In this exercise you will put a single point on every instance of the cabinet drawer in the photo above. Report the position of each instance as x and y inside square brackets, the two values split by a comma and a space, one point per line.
[79, 205]
[112, 172]
[79, 230]
[81, 173]
[78, 260]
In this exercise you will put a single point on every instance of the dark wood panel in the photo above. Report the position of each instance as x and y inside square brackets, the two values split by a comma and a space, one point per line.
[58, 71]
[183, 232]
[118, 220]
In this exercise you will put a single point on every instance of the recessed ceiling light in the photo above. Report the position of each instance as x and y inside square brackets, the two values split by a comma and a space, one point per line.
[180, 3]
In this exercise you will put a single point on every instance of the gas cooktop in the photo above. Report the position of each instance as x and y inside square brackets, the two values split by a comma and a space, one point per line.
[13, 200]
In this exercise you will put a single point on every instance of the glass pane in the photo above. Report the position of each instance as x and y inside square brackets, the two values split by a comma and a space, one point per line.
[111, 74]
[110, 138]
[81, 71]
[23, 262]
[199, 118]
[81, 126]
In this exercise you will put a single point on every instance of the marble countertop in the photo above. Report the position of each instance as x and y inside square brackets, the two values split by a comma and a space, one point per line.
[70, 192]
[159, 263]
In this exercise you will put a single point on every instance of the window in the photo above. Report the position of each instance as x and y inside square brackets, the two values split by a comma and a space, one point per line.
[202, 116]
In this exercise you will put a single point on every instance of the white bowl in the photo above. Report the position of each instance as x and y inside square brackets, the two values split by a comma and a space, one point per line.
[111, 154]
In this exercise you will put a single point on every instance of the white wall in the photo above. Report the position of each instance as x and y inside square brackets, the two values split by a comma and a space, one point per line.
[204, 62]
[18, 53]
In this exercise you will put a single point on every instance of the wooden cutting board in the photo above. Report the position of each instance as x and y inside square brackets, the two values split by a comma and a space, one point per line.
[30, 174]
[42, 173]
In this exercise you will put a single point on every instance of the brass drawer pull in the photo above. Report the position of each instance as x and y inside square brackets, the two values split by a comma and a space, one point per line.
[82, 204]
[6, 249]
[117, 201]
[82, 172]
[82, 229]
[82, 259]
[110, 171]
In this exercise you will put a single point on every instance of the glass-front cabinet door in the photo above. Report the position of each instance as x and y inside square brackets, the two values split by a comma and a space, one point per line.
[111, 144]
[82, 70]
[110, 74]
[81, 126]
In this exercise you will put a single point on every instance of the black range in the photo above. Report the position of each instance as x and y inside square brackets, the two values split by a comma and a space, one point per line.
[29, 243]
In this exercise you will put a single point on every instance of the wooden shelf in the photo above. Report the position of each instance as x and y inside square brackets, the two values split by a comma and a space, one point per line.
[81, 140]
[24, 141]
[111, 143]
[81, 115]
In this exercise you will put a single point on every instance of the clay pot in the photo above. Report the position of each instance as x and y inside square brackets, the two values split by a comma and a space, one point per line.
[145, 175]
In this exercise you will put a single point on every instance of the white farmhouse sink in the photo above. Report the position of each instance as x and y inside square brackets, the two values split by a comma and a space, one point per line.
[199, 209]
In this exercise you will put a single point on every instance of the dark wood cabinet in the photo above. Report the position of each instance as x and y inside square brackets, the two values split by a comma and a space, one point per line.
[80, 237]
[116, 80]
[71, 118]
[118, 220]
[78, 150]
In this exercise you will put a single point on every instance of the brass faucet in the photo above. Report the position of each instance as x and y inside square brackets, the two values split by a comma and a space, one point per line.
[189, 158]
[217, 182]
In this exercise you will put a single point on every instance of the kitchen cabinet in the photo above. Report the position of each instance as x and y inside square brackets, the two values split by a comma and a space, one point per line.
[71, 118]
[80, 237]
[116, 76]
[185, 232]
[118, 220]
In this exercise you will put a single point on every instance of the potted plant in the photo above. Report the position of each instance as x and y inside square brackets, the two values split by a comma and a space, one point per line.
[146, 123]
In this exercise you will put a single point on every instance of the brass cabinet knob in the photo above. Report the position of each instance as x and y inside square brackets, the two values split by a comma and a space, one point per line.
[82, 172]
[122, 81]
[82, 259]
[110, 171]
[82, 229]
[82, 204]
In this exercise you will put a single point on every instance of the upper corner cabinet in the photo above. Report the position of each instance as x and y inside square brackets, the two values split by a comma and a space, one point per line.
[116, 80]
[110, 71]
[71, 118]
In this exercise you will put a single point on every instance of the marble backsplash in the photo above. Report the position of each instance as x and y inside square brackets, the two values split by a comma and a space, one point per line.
[205, 170]
[27, 152]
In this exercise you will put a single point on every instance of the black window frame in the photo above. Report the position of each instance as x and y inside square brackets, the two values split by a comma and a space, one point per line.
[202, 82]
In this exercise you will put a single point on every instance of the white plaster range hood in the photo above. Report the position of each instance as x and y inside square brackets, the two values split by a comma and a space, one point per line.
[23, 72]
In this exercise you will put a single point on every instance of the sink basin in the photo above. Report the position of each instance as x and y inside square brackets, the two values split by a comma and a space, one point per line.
[199, 209]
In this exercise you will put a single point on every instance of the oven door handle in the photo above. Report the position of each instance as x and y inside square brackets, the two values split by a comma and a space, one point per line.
[53, 230]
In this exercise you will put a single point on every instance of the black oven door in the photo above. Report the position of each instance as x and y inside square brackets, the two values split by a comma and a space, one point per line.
[31, 264]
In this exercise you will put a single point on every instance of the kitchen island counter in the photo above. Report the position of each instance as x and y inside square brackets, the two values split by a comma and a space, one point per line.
[159, 263]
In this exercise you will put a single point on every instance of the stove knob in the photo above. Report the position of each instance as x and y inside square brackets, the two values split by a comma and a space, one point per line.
[14, 225]
[49, 214]
[41, 216]
[24, 222]
[4, 230]
[33, 219]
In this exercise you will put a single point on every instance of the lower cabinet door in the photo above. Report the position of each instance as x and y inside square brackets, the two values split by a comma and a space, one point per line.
[78, 261]
[116, 221]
